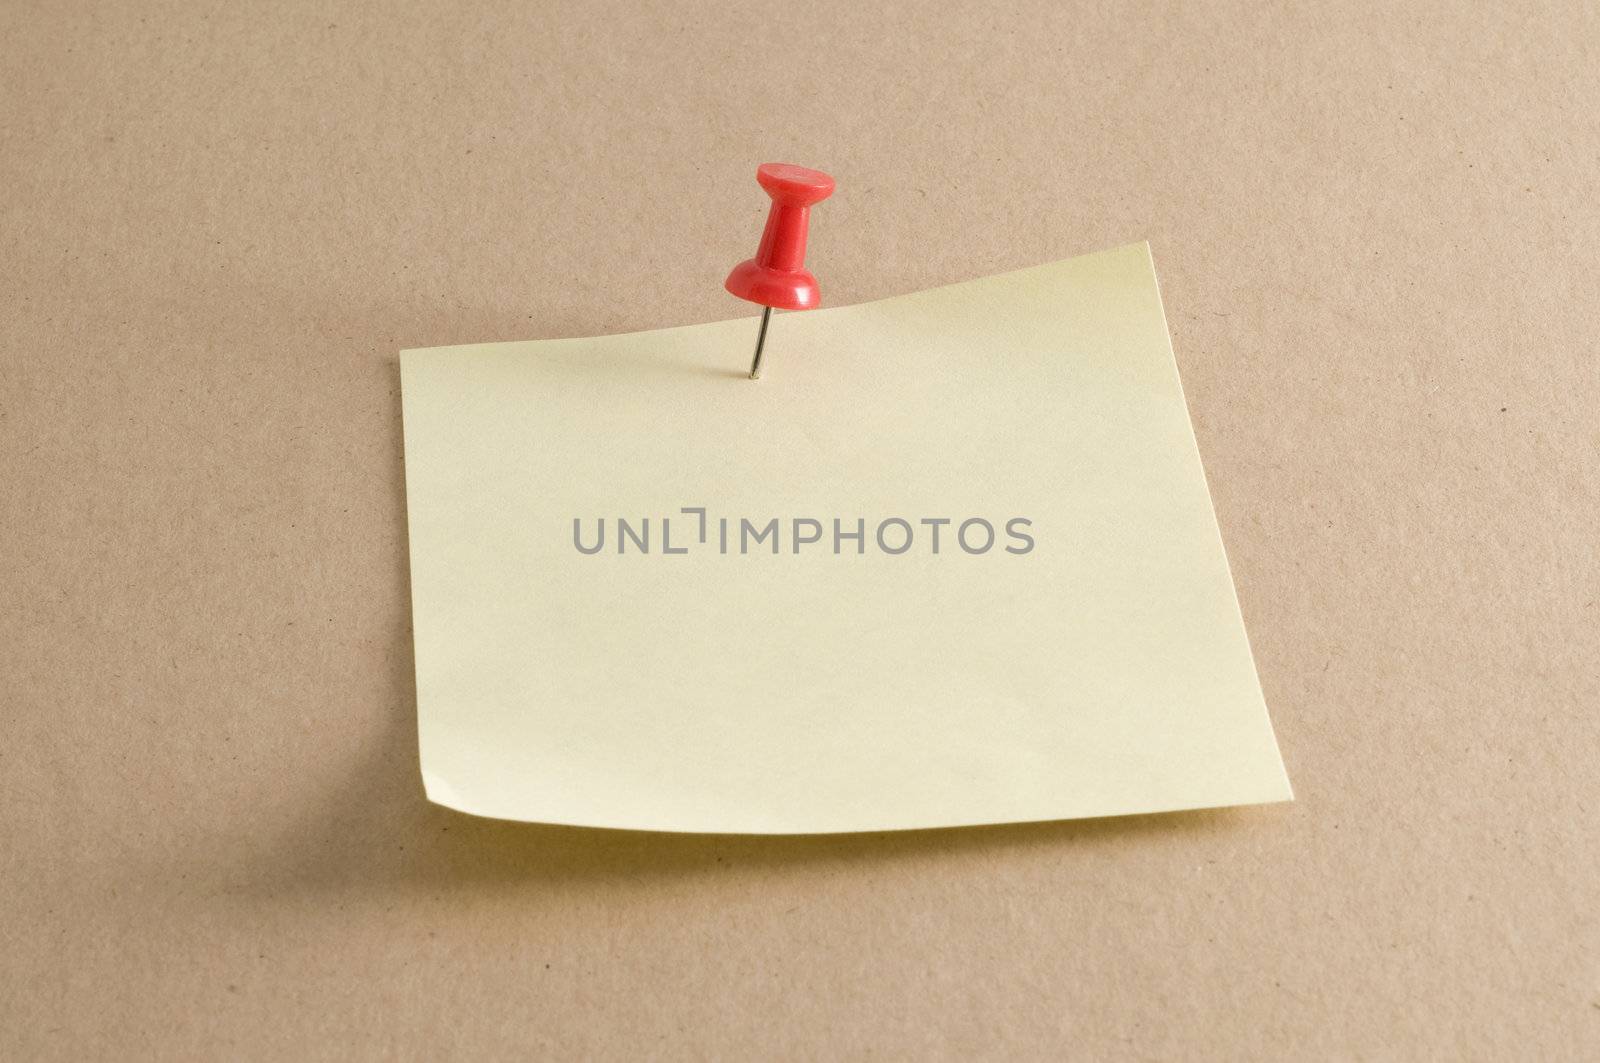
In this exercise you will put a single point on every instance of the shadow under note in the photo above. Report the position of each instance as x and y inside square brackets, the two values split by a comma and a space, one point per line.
[376, 830]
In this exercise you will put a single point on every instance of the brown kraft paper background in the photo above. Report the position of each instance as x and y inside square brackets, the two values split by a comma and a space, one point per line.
[1376, 231]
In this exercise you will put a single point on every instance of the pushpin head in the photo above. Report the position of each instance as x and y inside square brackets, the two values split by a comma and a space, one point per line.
[777, 276]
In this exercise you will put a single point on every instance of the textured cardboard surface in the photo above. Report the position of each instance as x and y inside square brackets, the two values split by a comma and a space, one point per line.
[1376, 233]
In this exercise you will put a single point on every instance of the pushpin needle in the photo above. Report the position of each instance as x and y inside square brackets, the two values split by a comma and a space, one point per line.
[761, 341]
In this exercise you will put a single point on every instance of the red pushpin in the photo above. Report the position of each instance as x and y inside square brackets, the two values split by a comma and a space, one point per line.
[777, 276]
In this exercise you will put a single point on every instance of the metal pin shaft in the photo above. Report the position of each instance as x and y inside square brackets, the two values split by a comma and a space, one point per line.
[761, 341]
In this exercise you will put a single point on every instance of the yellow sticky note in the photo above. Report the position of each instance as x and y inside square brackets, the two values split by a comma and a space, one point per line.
[951, 561]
